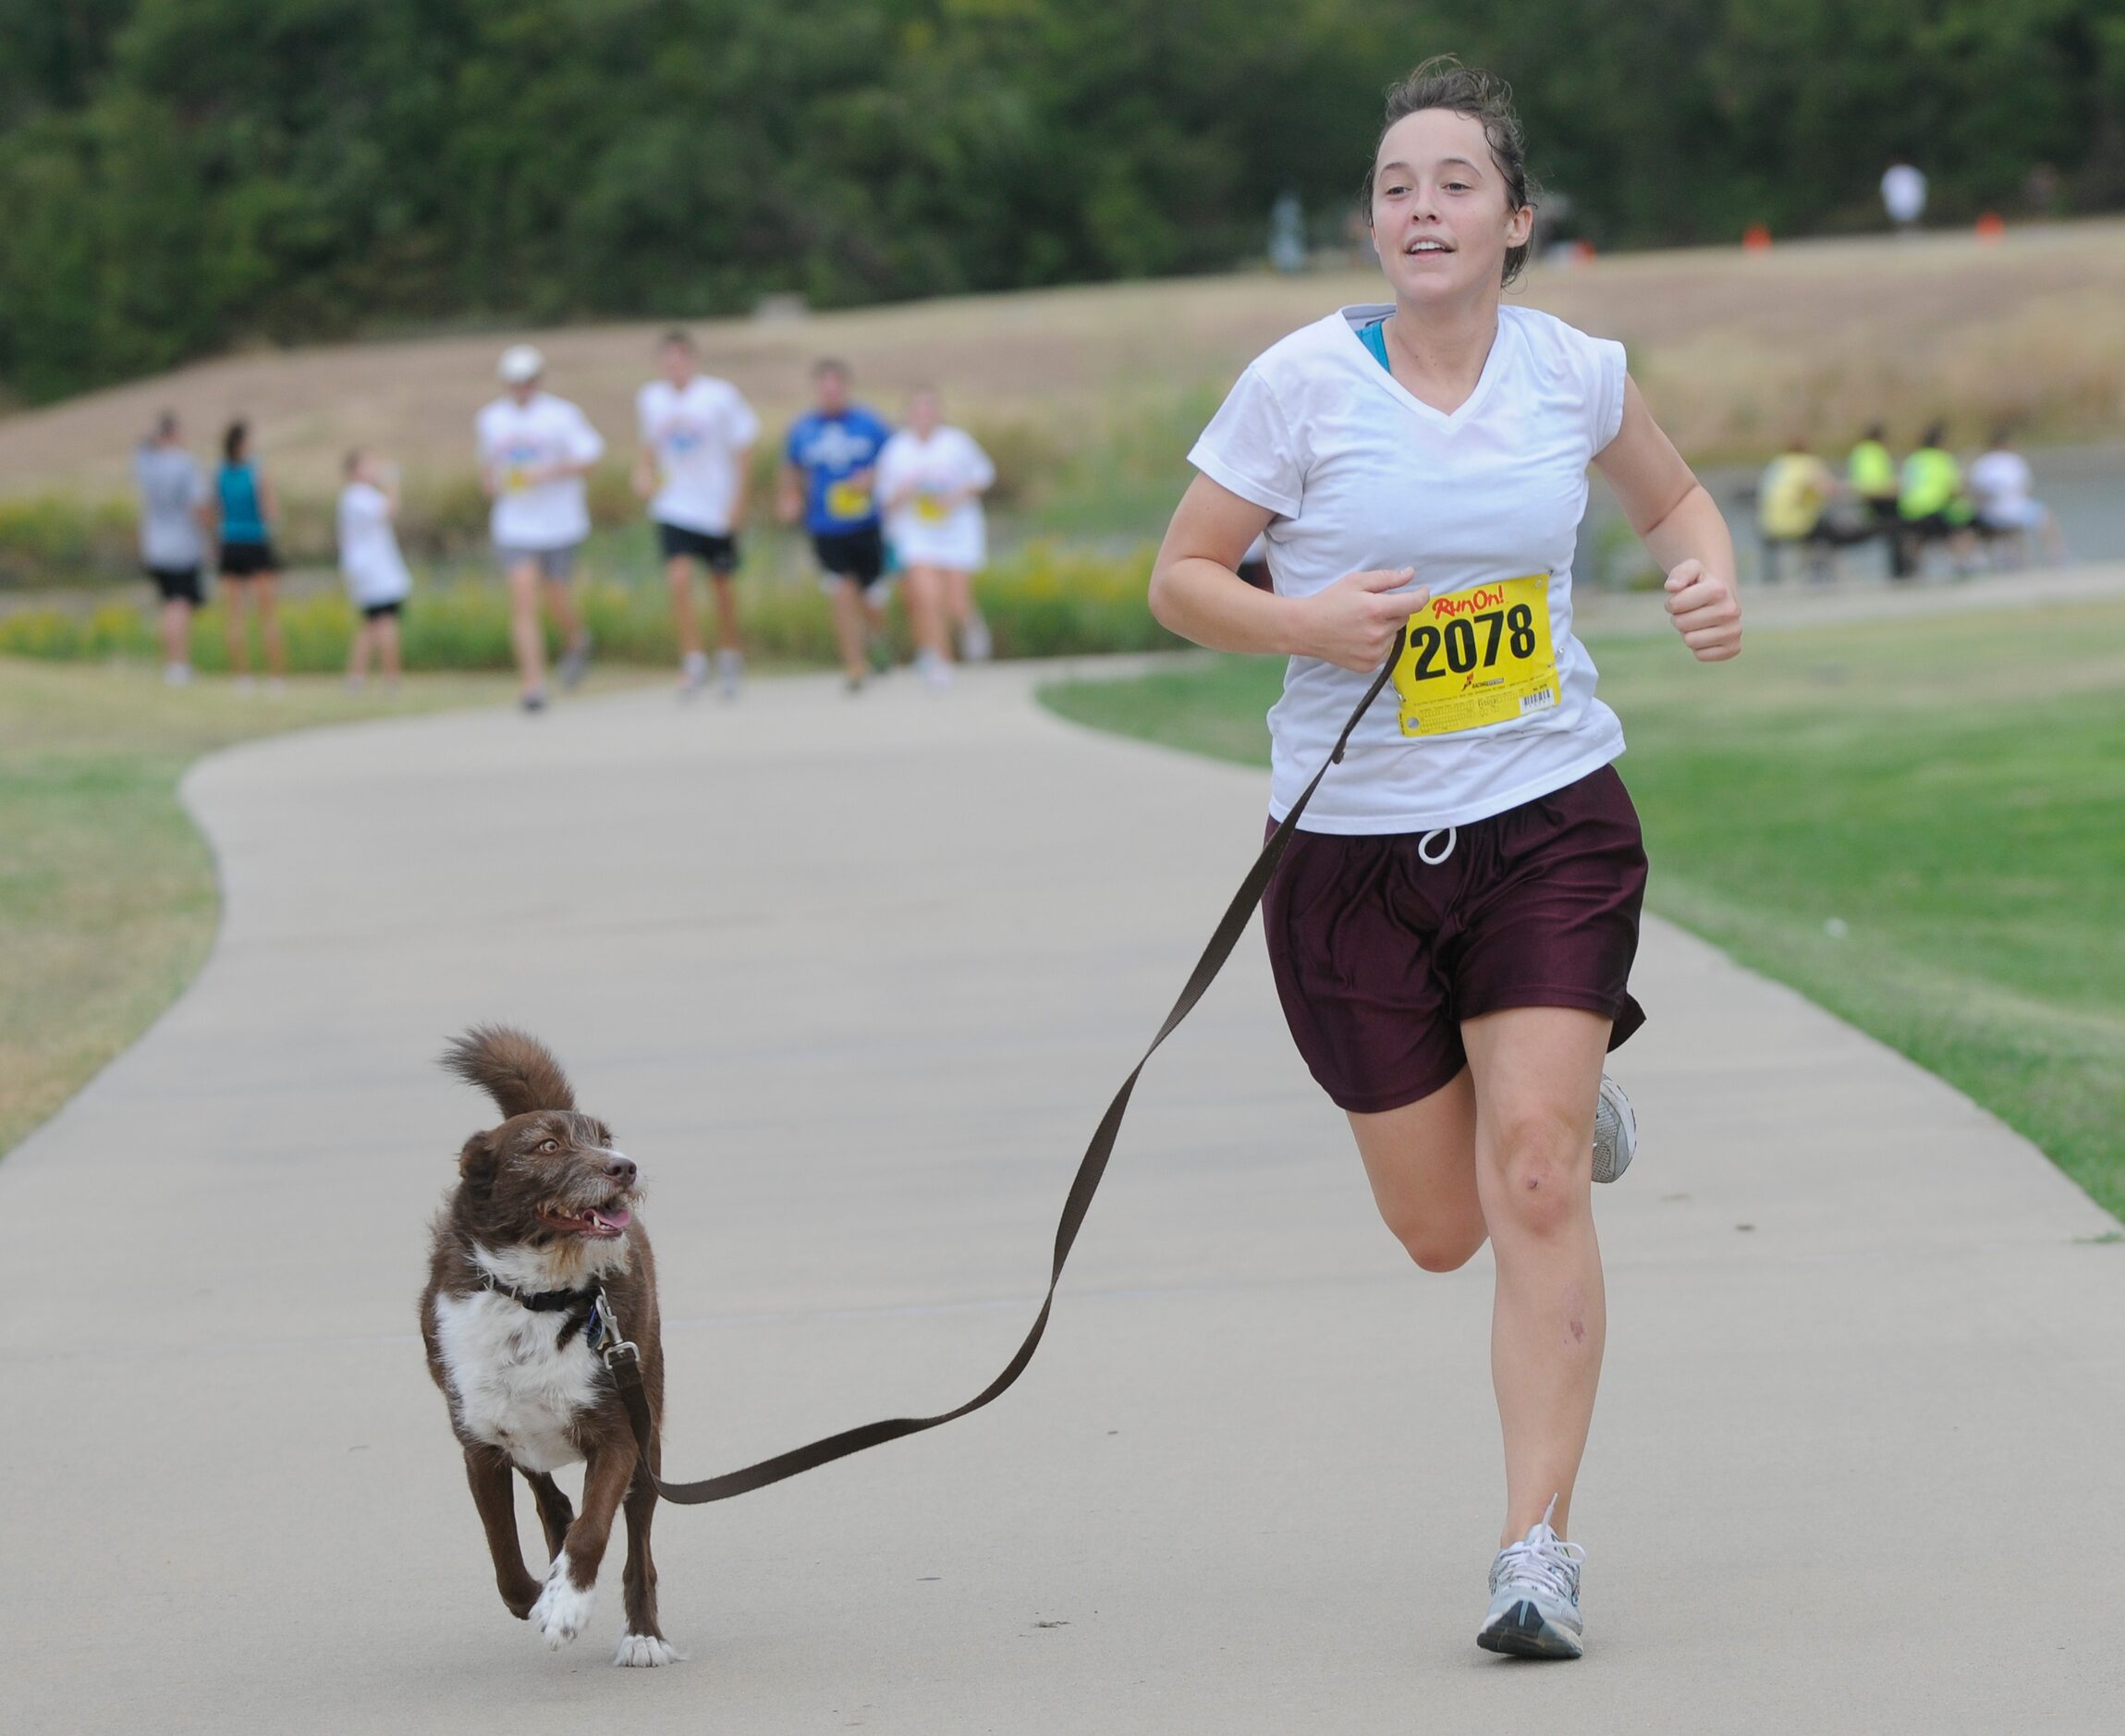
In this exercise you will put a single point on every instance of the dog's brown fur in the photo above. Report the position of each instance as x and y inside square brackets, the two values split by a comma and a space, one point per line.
[521, 1187]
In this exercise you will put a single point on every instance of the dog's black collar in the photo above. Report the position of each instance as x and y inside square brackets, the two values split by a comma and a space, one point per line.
[579, 1305]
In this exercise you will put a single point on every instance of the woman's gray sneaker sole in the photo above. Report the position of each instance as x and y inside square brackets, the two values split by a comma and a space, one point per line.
[1615, 1131]
[1521, 1631]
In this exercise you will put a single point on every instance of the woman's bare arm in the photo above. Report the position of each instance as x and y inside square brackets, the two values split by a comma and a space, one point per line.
[1197, 592]
[1681, 527]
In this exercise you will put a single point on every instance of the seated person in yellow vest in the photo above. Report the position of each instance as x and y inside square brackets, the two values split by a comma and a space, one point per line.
[1931, 504]
[1871, 474]
[1792, 509]
[1871, 478]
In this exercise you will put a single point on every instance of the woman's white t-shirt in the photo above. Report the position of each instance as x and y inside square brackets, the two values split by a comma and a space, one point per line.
[1362, 474]
[519, 439]
[369, 557]
[923, 532]
[696, 434]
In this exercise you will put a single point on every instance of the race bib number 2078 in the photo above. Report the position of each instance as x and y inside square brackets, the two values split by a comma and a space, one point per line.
[1477, 657]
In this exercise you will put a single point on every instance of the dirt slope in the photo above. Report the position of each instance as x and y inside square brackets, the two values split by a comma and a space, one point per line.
[1733, 348]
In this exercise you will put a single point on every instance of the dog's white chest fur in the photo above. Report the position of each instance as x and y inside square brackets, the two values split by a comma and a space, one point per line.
[508, 1384]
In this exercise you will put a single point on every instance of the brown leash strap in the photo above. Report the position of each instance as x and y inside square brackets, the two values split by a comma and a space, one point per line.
[623, 1360]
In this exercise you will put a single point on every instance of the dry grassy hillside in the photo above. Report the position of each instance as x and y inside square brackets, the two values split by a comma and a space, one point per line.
[1732, 348]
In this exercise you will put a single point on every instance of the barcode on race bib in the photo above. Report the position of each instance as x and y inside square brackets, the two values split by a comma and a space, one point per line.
[1536, 702]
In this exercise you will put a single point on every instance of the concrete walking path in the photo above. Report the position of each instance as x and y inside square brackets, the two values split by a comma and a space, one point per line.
[852, 981]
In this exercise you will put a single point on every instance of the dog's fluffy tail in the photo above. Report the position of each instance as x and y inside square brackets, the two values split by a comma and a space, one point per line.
[518, 1070]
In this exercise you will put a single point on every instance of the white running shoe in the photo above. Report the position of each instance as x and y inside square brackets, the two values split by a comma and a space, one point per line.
[729, 672]
[974, 644]
[177, 674]
[1615, 1131]
[692, 673]
[1534, 1596]
[934, 669]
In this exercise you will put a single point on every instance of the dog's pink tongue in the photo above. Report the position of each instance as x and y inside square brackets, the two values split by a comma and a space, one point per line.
[618, 1217]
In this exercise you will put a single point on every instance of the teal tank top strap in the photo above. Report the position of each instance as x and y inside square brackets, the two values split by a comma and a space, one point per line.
[1374, 338]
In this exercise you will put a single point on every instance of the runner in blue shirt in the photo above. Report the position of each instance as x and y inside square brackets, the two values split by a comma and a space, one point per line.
[828, 480]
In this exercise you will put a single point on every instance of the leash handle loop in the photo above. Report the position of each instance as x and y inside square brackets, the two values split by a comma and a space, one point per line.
[624, 1361]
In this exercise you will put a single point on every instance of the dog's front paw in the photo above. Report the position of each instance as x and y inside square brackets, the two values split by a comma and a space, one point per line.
[643, 1651]
[563, 1610]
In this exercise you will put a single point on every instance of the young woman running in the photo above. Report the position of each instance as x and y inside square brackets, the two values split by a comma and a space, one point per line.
[244, 513]
[931, 479]
[1452, 931]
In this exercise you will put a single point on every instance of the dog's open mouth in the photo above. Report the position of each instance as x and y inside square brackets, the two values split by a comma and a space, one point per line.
[601, 1223]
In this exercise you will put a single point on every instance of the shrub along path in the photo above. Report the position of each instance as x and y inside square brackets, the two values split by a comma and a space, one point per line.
[852, 981]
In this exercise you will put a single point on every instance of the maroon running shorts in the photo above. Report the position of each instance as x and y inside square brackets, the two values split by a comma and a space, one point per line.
[1379, 955]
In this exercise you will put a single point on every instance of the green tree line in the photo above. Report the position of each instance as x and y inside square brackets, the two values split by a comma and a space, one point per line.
[177, 175]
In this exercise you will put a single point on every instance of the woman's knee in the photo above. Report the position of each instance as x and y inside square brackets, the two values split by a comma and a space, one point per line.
[1541, 1170]
[1439, 1247]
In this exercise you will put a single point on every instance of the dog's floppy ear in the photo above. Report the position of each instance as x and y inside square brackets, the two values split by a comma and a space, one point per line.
[518, 1071]
[477, 1161]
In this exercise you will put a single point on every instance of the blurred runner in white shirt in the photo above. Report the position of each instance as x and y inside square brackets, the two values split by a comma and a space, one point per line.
[697, 435]
[534, 451]
[931, 479]
[370, 563]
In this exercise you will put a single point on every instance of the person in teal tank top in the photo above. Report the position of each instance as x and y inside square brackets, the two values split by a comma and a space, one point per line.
[244, 509]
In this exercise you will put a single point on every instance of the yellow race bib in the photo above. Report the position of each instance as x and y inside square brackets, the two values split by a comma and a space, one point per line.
[849, 500]
[1477, 657]
[931, 508]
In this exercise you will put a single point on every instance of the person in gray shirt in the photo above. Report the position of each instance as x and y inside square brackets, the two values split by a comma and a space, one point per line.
[173, 545]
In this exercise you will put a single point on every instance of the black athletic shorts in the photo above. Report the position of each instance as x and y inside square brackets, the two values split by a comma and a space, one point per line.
[377, 611]
[858, 555]
[177, 584]
[246, 560]
[718, 553]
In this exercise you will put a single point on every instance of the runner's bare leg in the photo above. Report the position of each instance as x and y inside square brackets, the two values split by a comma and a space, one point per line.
[561, 600]
[926, 611]
[1421, 1160]
[851, 627]
[524, 630]
[724, 593]
[1537, 1072]
[266, 594]
[679, 575]
[233, 596]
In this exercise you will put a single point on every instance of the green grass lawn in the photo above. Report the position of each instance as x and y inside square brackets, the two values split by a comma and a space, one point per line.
[107, 895]
[1918, 824]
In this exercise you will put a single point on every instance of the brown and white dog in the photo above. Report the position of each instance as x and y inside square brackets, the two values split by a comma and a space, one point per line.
[541, 1224]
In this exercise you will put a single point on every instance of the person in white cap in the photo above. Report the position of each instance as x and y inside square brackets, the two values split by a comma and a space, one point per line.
[534, 450]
